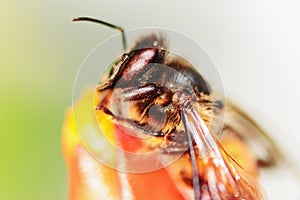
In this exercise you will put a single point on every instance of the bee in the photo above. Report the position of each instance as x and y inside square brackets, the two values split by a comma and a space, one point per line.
[154, 93]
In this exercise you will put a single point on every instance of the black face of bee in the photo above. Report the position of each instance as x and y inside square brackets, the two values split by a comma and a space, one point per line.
[146, 83]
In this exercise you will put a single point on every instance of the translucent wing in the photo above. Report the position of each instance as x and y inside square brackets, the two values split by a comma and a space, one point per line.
[218, 175]
[241, 125]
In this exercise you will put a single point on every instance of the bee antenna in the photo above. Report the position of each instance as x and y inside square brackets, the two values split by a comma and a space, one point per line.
[88, 19]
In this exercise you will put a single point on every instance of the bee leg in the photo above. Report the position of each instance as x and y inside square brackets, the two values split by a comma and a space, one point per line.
[128, 123]
[145, 92]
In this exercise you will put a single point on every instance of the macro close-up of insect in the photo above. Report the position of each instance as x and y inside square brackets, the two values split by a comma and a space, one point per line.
[150, 100]
[164, 132]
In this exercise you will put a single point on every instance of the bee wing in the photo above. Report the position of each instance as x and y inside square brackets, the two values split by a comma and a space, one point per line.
[240, 124]
[216, 174]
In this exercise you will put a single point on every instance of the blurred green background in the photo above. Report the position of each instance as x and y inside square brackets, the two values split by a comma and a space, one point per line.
[41, 51]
